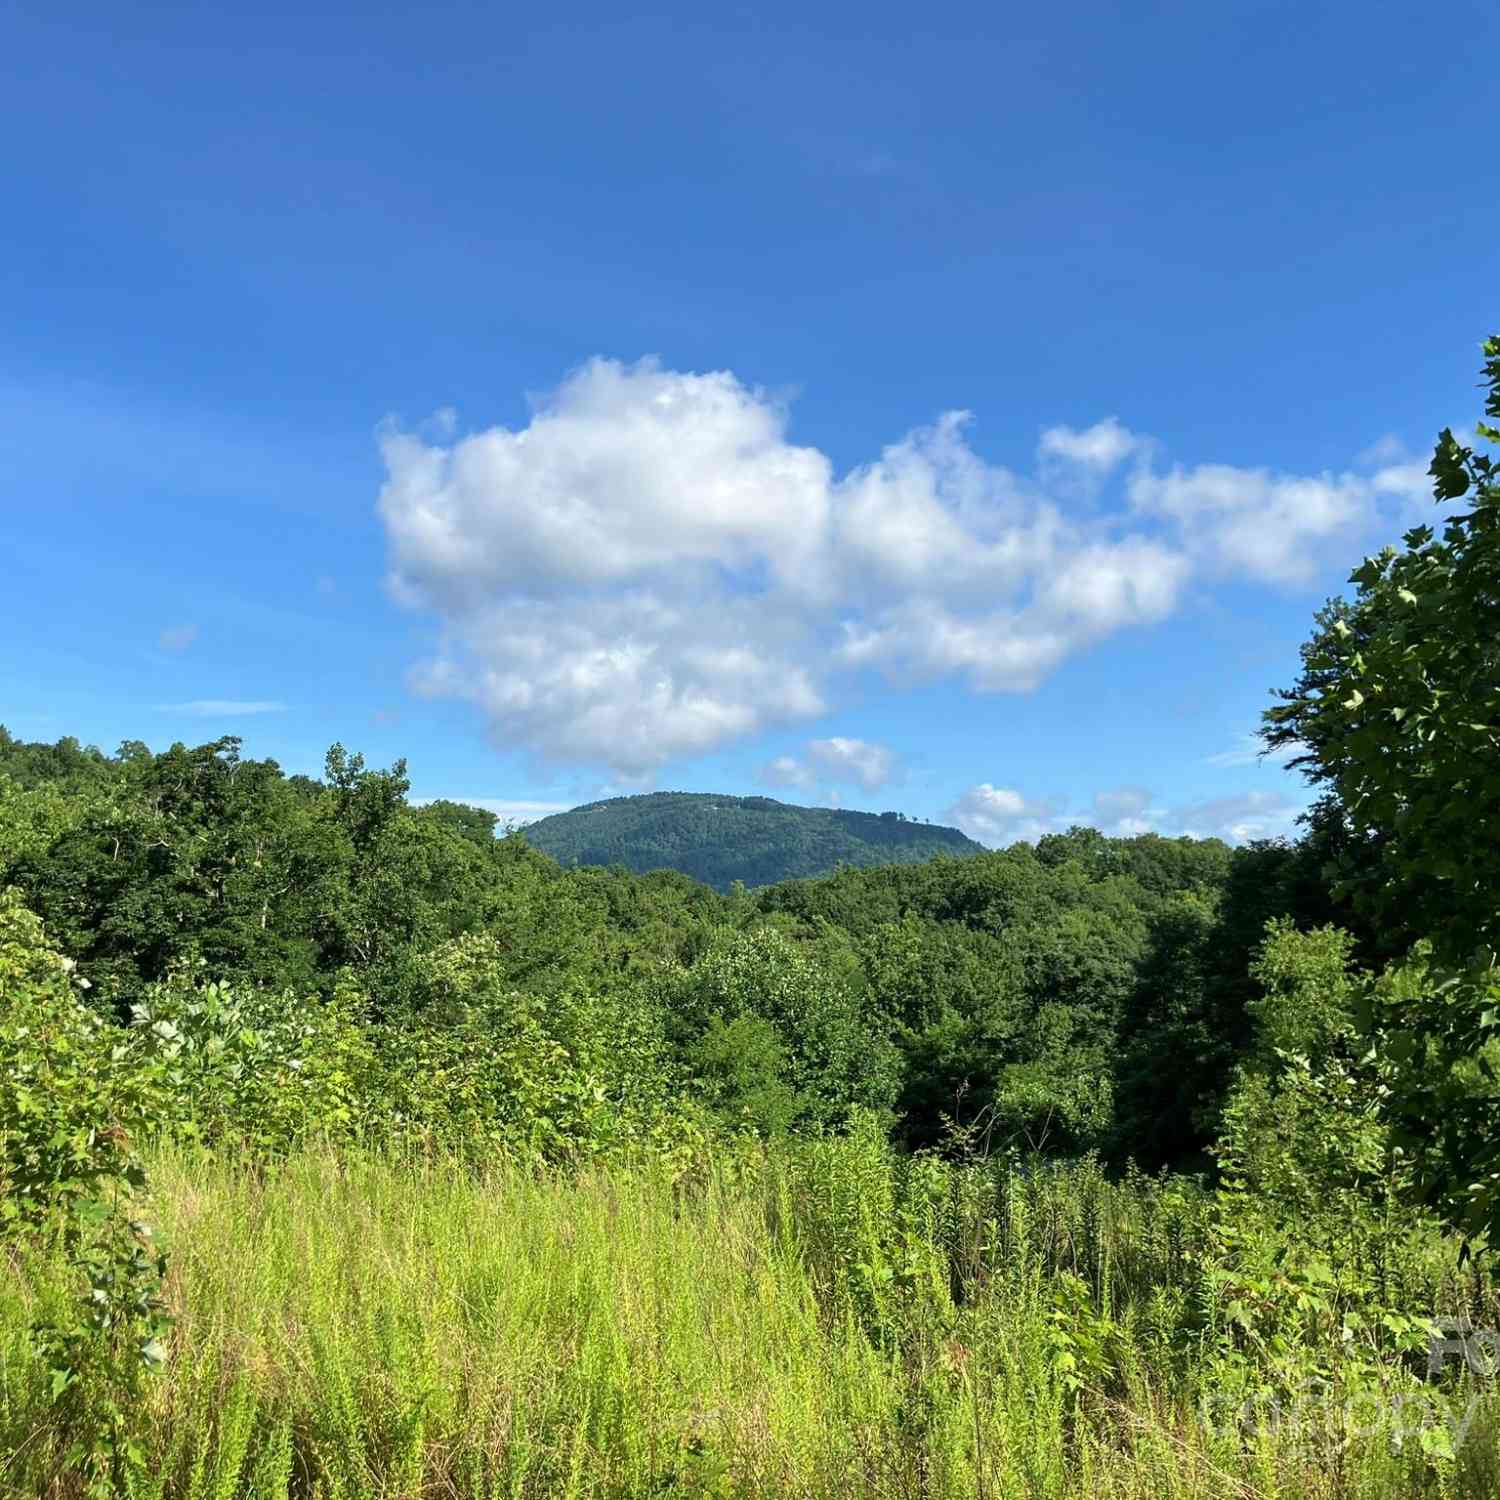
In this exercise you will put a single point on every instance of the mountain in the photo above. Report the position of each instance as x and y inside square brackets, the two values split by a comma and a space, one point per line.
[719, 840]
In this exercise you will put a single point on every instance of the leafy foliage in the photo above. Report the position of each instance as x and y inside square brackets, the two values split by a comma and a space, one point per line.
[73, 1111]
[257, 1069]
[478, 1065]
[1398, 708]
[832, 1050]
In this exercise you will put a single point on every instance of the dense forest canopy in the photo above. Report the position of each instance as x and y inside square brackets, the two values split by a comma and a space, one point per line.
[1085, 993]
[720, 839]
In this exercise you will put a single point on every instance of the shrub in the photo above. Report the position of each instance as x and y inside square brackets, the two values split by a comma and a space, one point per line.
[75, 1105]
[474, 1064]
[265, 1069]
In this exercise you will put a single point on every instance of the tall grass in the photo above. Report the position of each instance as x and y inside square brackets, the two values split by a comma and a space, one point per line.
[822, 1320]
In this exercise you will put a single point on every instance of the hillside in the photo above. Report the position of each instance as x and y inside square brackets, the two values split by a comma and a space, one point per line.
[719, 840]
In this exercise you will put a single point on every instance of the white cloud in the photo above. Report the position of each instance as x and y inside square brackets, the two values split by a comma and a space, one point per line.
[221, 708]
[177, 637]
[1100, 448]
[1125, 812]
[858, 761]
[1249, 815]
[998, 815]
[998, 652]
[1402, 480]
[837, 761]
[787, 770]
[1387, 449]
[1251, 751]
[650, 569]
[625, 472]
[1079, 598]
[626, 681]
[1411, 485]
[1272, 527]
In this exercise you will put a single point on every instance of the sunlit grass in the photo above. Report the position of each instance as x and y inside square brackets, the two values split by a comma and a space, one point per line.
[801, 1323]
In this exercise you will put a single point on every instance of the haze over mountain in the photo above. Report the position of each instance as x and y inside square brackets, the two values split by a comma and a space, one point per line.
[719, 840]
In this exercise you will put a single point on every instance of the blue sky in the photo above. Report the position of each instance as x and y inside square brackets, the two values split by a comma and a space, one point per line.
[568, 401]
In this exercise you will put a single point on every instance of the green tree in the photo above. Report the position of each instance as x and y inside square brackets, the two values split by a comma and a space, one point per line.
[1398, 706]
[1398, 713]
[191, 852]
[838, 1055]
[474, 823]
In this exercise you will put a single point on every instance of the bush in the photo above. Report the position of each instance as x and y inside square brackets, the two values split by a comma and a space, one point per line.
[740, 1067]
[75, 1105]
[474, 1064]
[265, 1069]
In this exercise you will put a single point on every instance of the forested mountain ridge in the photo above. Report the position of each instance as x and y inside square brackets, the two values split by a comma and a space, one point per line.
[719, 839]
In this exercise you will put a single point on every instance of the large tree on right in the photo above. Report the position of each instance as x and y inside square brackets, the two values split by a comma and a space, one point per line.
[1396, 716]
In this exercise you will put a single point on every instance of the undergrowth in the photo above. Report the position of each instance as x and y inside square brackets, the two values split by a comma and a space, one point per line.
[826, 1318]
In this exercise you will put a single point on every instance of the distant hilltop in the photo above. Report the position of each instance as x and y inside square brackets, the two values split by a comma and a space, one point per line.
[719, 840]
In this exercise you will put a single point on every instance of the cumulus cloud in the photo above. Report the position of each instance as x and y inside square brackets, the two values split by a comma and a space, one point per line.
[1272, 527]
[998, 815]
[1386, 449]
[1125, 812]
[1403, 483]
[836, 761]
[786, 771]
[1408, 482]
[177, 637]
[1240, 818]
[627, 681]
[650, 568]
[1100, 448]
[858, 761]
[625, 473]
[222, 708]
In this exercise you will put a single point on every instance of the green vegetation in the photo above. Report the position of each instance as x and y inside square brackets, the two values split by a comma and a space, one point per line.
[1086, 994]
[1399, 708]
[720, 840]
[824, 1319]
[347, 1150]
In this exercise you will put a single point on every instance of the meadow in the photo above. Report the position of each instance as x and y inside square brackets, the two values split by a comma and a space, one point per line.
[819, 1319]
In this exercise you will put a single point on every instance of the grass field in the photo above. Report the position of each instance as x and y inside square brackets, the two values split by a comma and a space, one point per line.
[822, 1321]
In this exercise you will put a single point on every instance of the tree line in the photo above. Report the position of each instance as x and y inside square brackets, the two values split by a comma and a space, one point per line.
[1087, 993]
